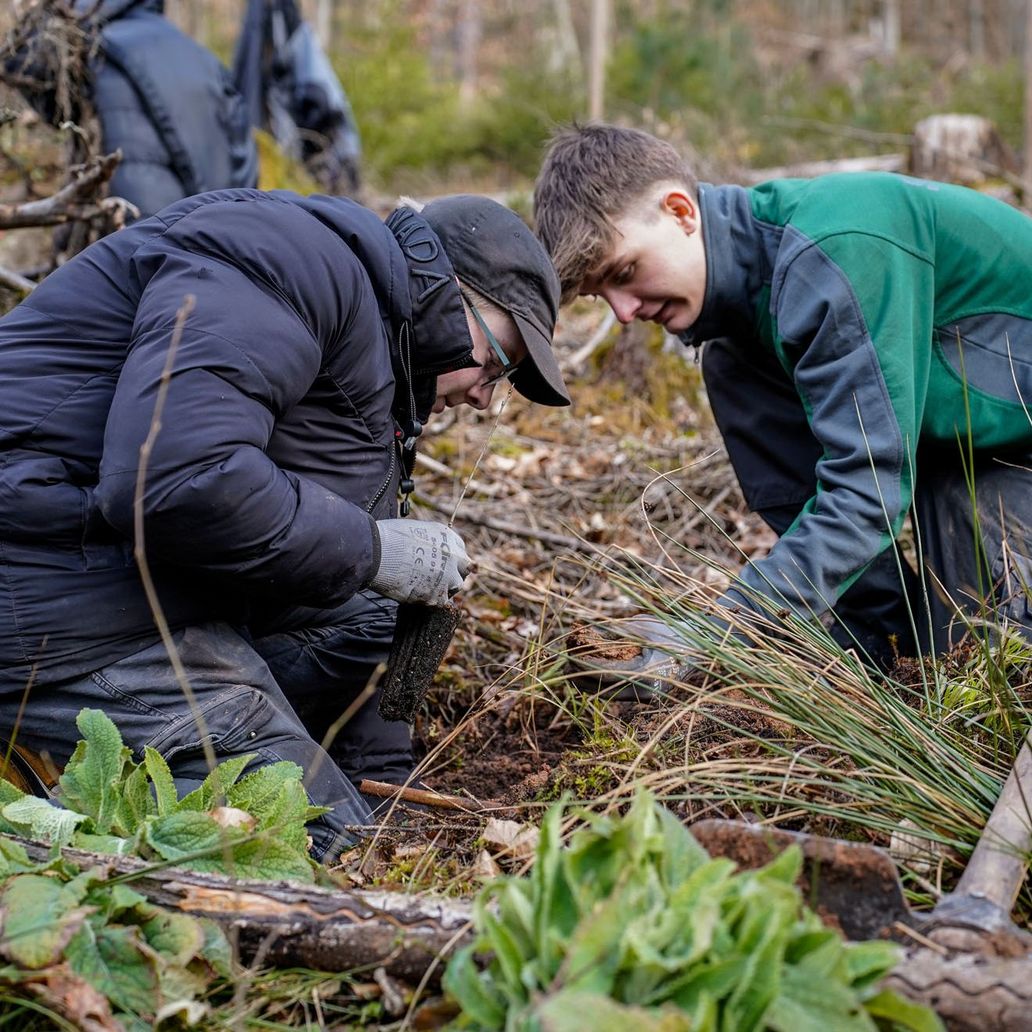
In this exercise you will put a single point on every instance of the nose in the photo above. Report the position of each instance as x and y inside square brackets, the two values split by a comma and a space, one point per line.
[479, 396]
[624, 305]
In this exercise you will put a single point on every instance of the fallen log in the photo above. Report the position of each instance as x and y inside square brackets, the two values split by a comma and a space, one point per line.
[811, 169]
[287, 924]
[411, 936]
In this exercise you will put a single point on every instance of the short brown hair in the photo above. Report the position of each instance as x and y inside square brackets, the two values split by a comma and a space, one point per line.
[592, 175]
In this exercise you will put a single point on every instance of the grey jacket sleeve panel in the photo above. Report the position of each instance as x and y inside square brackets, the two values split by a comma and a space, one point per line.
[865, 474]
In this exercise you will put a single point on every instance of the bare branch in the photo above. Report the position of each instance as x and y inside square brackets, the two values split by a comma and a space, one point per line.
[77, 201]
[14, 281]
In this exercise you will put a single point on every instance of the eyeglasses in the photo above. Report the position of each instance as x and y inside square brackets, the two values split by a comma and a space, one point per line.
[508, 367]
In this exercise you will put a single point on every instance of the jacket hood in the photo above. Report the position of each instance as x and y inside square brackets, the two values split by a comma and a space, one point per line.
[417, 291]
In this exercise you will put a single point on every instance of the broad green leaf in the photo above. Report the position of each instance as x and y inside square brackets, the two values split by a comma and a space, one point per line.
[805, 943]
[264, 858]
[903, 1013]
[165, 795]
[114, 960]
[868, 962]
[785, 867]
[516, 910]
[134, 802]
[177, 937]
[184, 834]
[818, 955]
[468, 987]
[40, 819]
[697, 904]
[681, 855]
[117, 902]
[503, 945]
[13, 858]
[88, 784]
[766, 928]
[8, 794]
[281, 811]
[40, 917]
[711, 982]
[215, 954]
[104, 843]
[570, 1011]
[805, 1004]
[213, 790]
[594, 950]
[556, 907]
[259, 793]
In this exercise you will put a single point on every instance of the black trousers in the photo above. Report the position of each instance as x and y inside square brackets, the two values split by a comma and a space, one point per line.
[279, 688]
[974, 540]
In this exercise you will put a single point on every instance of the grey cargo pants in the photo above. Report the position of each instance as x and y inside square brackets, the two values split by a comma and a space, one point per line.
[274, 689]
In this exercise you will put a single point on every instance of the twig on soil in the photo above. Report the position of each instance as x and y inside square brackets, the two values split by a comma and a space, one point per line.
[547, 537]
[423, 796]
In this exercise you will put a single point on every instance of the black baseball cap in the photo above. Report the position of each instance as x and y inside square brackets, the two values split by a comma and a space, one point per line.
[493, 250]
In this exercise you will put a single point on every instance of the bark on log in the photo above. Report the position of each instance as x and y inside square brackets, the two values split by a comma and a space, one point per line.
[291, 925]
[970, 992]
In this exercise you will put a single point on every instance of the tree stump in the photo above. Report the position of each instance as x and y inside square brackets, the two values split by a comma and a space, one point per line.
[963, 149]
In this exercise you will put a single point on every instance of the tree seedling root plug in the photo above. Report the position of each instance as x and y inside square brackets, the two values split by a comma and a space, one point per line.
[421, 638]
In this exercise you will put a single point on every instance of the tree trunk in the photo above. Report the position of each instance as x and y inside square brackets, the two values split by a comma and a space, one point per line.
[469, 44]
[1027, 163]
[564, 53]
[324, 24]
[890, 27]
[598, 59]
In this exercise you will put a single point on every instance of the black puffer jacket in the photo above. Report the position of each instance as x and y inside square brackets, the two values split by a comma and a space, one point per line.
[277, 441]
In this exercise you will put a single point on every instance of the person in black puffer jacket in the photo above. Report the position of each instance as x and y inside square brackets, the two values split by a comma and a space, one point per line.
[166, 101]
[295, 346]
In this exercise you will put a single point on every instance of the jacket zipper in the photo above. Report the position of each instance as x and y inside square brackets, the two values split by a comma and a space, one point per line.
[382, 489]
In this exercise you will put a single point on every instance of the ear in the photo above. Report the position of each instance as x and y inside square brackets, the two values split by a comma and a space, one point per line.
[682, 207]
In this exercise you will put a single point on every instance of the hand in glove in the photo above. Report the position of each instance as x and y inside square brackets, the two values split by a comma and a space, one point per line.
[637, 679]
[420, 561]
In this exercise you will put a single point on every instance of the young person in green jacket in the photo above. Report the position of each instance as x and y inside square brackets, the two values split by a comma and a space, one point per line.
[868, 356]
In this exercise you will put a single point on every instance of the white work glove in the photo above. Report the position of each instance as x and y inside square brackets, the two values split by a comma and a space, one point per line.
[420, 561]
[661, 661]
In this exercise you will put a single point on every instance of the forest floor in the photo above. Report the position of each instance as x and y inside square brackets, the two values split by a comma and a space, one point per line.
[543, 498]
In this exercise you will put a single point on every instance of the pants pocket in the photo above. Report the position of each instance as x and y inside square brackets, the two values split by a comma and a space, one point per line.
[228, 722]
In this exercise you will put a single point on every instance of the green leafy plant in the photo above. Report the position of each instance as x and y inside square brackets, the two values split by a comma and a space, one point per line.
[77, 945]
[634, 924]
[251, 826]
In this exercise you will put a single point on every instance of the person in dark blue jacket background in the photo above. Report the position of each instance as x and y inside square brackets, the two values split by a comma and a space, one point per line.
[316, 341]
[162, 98]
